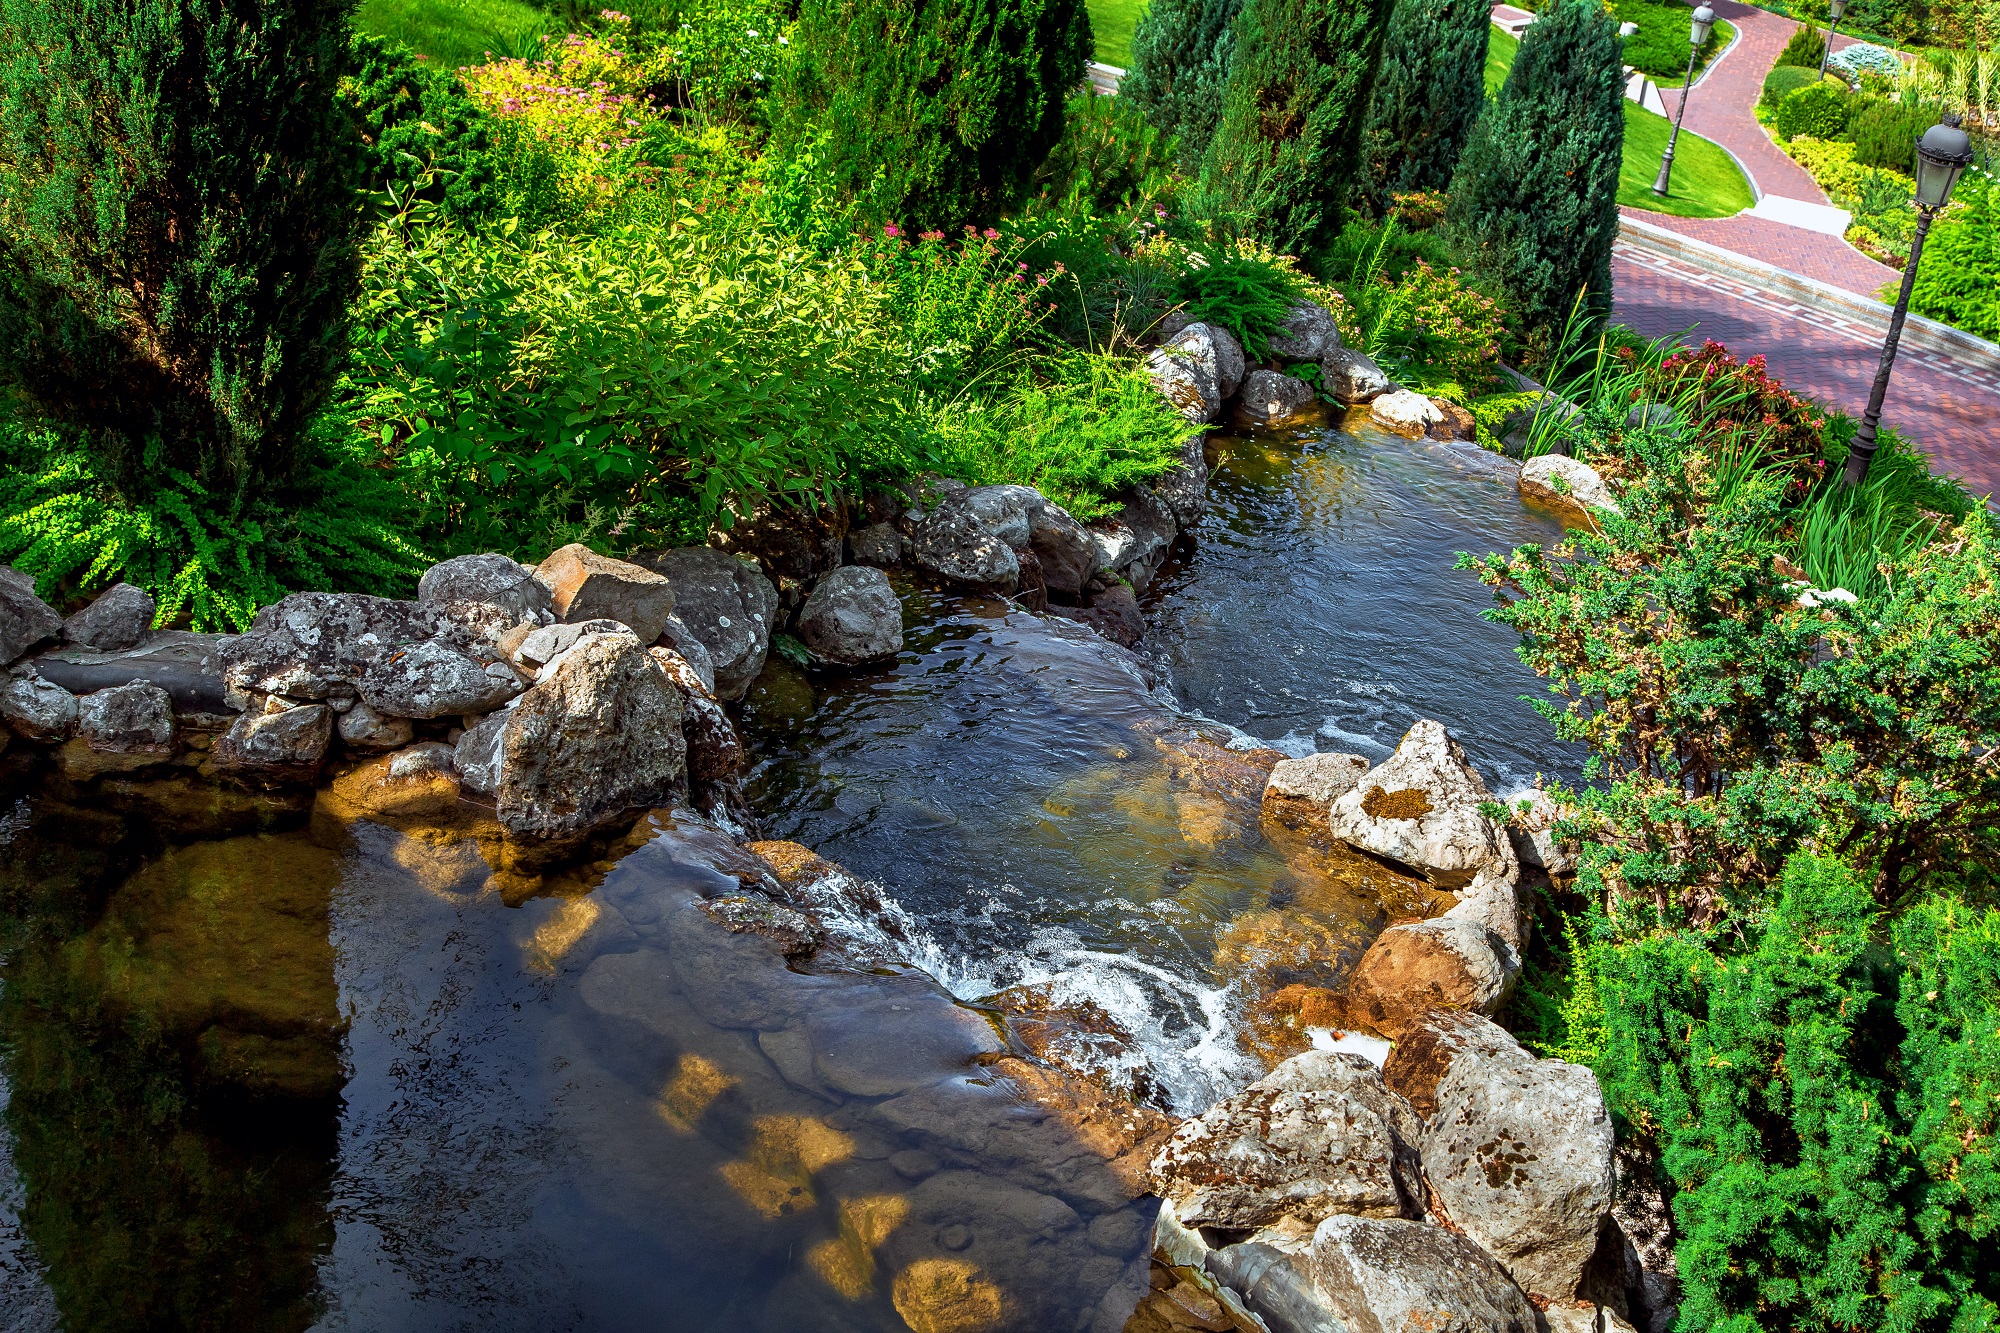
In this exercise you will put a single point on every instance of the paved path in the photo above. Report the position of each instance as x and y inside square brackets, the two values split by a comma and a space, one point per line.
[1814, 254]
[1950, 409]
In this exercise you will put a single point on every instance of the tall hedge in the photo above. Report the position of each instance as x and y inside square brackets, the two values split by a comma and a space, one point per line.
[1292, 119]
[177, 224]
[1536, 193]
[934, 112]
[1427, 96]
[1180, 68]
[420, 131]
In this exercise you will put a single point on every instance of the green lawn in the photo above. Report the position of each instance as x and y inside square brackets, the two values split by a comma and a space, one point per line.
[1707, 182]
[1112, 21]
[455, 32]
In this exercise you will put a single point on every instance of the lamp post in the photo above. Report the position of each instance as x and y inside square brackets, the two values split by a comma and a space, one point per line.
[1704, 19]
[1834, 9]
[1943, 154]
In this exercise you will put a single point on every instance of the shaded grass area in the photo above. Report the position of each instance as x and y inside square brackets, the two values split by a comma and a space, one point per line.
[456, 32]
[1112, 22]
[1707, 182]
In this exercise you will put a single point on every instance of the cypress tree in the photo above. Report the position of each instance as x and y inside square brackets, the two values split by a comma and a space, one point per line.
[1180, 68]
[1292, 120]
[1536, 194]
[937, 112]
[177, 224]
[1427, 96]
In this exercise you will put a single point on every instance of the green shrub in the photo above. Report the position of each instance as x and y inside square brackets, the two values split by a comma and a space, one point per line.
[653, 379]
[1109, 160]
[1293, 118]
[1079, 430]
[1959, 279]
[178, 214]
[1181, 54]
[1818, 110]
[1804, 50]
[1427, 96]
[959, 312]
[934, 112]
[209, 558]
[1783, 81]
[1243, 293]
[1832, 1156]
[421, 134]
[1885, 134]
[1536, 193]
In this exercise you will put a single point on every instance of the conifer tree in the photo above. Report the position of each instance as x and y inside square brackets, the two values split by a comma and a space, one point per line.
[1292, 120]
[1180, 68]
[935, 112]
[1427, 96]
[1536, 193]
[177, 225]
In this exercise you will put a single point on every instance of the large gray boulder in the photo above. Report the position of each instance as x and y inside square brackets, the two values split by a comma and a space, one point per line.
[584, 585]
[1406, 412]
[727, 605]
[1417, 968]
[433, 680]
[1300, 792]
[497, 580]
[119, 729]
[1270, 399]
[25, 619]
[276, 747]
[1320, 1134]
[973, 535]
[1532, 823]
[317, 645]
[365, 729]
[1275, 1287]
[1387, 1275]
[1352, 378]
[1519, 1156]
[1307, 334]
[597, 738]
[1134, 543]
[1567, 485]
[1184, 491]
[853, 617]
[1420, 808]
[1183, 369]
[37, 709]
[119, 618]
[1426, 1052]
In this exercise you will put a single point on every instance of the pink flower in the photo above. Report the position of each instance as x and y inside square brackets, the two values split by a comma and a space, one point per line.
[1042, 280]
[991, 235]
[933, 236]
[891, 229]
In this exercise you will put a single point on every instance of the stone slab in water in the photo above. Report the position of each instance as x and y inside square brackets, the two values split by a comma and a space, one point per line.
[186, 665]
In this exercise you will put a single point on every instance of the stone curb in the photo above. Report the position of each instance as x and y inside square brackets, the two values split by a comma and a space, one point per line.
[1927, 334]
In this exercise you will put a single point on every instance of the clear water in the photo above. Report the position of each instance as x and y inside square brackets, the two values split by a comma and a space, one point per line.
[597, 1110]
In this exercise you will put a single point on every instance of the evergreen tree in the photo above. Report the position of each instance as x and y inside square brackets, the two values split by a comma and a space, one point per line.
[177, 224]
[1180, 68]
[1536, 193]
[1427, 96]
[1293, 117]
[934, 112]
[419, 128]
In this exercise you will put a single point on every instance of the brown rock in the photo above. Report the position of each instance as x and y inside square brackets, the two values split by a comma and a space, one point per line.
[1412, 970]
[793, 546]
[1456, 423]
[414, 783]
[1076, 1036]
[1114, 613]
[584, 585]
[1423, 1054]
[1300, 792]
[1124, 1133]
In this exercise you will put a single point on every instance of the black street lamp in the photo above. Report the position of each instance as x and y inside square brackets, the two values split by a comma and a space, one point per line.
[1834, 9]
[1704, 20]
[1943, 154]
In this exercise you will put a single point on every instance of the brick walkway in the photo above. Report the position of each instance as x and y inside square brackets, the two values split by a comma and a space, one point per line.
[1951, 410]
[1814, 254]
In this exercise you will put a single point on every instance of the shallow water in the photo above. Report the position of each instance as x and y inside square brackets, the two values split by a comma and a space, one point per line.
[599, 1110]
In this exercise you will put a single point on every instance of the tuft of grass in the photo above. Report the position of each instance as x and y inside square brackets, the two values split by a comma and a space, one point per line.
[457, 32]
[1112, 23]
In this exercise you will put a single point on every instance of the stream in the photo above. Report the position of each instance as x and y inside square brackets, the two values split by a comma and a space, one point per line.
[596, 1110]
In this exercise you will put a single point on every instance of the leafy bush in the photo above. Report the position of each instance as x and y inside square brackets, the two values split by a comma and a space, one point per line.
[665, 377]
[1181, 54]
[422, 135]
[936, 113]
[1536, 194]
[719, 56]
[1832, 1156]
[209, 558]
[1727, 399]
[177, 207]
[1818, 110]
[1427, 96]
[1885, 133]
[1084, 429]
[1959, 280]
[1785, 80]
[1244, 293]
[962, 312]
[1660, 47]
[1804, 50]
[1293, 118]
